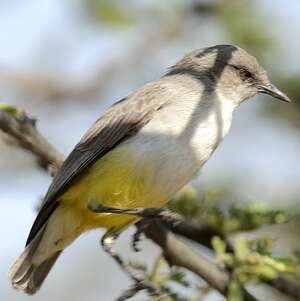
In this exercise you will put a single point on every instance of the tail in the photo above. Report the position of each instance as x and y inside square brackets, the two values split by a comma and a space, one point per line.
[24, 275]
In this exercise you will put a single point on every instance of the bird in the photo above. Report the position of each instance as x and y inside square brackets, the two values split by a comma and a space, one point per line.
[143, 150]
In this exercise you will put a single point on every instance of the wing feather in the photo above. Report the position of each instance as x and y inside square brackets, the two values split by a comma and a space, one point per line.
[121, 121]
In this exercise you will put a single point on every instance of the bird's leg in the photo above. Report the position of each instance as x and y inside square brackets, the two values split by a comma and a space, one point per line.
[140, 227]
[108, 242]
[147, 214]
[164, 215]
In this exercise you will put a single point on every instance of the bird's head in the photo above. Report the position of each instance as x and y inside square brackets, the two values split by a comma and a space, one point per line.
[228, 71]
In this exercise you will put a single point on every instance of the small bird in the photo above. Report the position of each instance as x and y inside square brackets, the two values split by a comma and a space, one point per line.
[142, 151]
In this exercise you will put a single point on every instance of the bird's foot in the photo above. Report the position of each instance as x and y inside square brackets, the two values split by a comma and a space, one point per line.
[164, 215]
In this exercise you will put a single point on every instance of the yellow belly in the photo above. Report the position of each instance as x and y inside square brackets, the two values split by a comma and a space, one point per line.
[116, 180]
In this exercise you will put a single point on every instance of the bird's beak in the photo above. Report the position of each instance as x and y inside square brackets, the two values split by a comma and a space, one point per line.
[274, 92]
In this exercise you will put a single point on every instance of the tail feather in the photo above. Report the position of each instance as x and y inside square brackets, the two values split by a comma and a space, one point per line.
[33, 278]
[24, 275]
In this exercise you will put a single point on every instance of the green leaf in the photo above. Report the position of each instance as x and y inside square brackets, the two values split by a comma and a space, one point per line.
[280, 218]
[218, 245]
[8, 108]
[235, 291]
[262, 245]
[179, 277]
[241, 248]
[282, 265]
[266, 272]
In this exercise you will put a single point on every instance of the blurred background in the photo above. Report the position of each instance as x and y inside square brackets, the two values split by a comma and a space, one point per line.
[66, 61]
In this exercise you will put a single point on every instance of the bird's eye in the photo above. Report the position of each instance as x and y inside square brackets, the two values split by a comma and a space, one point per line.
[244, 74]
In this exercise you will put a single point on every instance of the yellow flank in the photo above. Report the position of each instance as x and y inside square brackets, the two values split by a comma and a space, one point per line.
[115, 180]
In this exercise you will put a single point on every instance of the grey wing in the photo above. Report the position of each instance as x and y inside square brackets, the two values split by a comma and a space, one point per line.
[123, 120]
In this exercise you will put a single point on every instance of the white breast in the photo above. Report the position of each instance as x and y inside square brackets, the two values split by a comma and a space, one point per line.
[180, 138]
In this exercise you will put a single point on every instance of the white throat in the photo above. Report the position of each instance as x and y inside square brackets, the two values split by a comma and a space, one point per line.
[181, 137]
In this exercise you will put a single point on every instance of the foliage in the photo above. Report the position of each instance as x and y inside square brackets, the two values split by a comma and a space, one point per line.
[110, 13]
[249, 216]
[249, 260]
[164, 278]
[8, 108]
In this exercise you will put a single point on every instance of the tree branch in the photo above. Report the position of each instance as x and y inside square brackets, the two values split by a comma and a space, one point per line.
[179, 254]
[23, 128]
